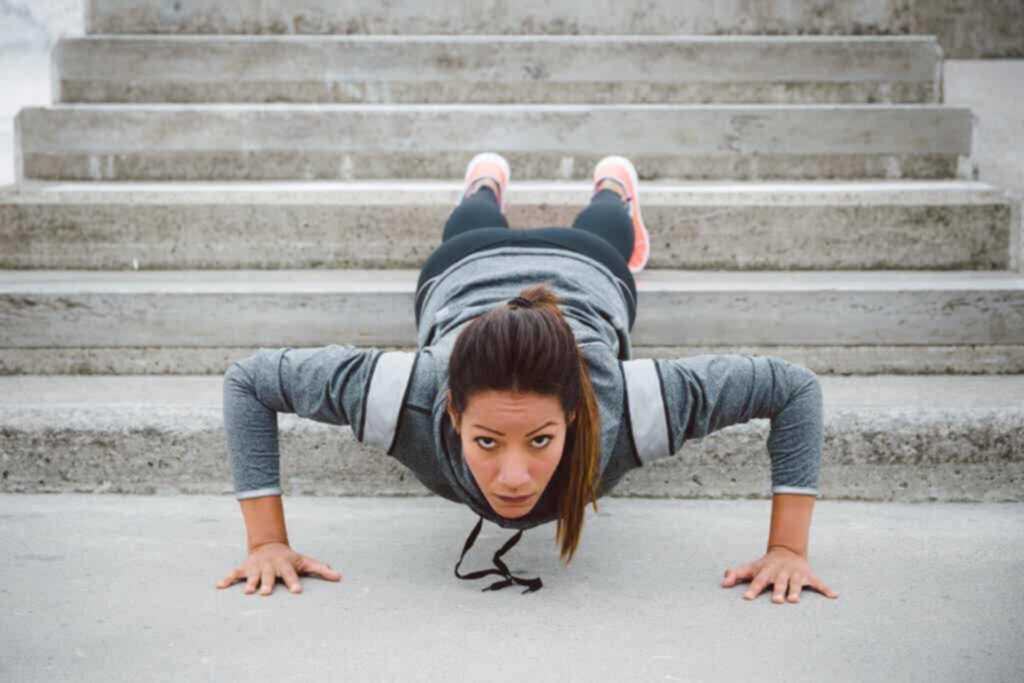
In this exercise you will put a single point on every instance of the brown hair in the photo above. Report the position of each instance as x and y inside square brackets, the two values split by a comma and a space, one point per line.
[532, 349]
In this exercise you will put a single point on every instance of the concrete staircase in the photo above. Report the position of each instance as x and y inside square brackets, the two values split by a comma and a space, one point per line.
[189, 198]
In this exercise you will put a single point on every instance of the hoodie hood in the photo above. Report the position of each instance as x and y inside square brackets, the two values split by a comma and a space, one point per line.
[594, 303]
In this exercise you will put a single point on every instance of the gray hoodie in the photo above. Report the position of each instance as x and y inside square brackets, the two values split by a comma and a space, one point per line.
[395, 400]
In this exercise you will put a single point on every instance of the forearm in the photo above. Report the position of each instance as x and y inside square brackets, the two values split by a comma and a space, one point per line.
[791, 522]
[250, 425]
[264, 520]
[708, 392]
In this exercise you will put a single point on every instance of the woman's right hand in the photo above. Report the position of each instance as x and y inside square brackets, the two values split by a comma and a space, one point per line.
[270, 560]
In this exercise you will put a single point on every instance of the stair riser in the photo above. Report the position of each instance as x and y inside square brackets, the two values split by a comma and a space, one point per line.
[78, 318]
[966, 30]
[826, 360]
[99, 92]
[123, 234]
[548, 69]
[152, 449]
[249, 142]
[497, 16]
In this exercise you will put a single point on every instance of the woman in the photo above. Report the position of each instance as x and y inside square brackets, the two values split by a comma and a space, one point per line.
[522, 400]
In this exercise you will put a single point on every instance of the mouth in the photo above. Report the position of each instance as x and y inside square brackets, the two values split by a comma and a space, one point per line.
[515, 501]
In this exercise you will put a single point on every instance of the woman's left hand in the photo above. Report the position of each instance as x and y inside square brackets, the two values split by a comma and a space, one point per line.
[783, 568]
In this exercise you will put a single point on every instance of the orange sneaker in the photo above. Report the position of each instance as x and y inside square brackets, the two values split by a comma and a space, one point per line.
[622, 171]
[487, 165]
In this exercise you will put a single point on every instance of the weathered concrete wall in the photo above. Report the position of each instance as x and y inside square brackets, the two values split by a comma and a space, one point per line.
[972, 29]
[992, 89]
[966, 28]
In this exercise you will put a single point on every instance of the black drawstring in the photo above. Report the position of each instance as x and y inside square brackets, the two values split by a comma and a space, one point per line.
[502, 569]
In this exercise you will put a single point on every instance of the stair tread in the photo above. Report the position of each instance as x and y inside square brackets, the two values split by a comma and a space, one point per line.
[403, 280]
[920, 393]
[479, 106]
[653, 192]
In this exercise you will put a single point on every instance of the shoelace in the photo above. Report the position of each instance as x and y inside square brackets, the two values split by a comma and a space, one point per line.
[502, 569]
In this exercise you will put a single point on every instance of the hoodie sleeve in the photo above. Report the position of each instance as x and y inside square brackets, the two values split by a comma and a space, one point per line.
[340, 385]
[673, 400]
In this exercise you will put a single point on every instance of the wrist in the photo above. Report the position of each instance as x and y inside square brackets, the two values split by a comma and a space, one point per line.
[795, 551]
[264, 520]
[259, 544]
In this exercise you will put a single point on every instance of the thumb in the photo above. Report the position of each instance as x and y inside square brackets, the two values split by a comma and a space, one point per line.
[734, 574]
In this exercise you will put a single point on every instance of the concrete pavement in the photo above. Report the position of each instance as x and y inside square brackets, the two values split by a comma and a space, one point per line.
[121, 588]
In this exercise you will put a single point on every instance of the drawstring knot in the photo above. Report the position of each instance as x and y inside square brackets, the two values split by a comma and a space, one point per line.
[502, 569]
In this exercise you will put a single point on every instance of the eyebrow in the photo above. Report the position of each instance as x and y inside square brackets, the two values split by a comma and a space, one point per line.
[551, 422]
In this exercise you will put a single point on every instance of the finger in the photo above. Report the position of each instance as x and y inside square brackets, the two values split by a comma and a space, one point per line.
[820, 586]
[741, 573]
[269, 579]
[311, 566]
[232, 577]
[779, 589]
[796, 584]
[291, 579]
[253, 580]
[756, 586]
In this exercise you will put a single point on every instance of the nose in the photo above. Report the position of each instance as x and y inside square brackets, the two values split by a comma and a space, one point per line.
[514, 472]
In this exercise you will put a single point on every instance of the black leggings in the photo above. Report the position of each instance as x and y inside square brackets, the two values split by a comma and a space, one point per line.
[603, 231]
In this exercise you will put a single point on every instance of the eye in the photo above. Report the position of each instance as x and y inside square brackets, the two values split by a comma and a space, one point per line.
[487, 447]
[544, 436]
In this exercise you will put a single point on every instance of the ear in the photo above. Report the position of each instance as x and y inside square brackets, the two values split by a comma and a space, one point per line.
[451, 411]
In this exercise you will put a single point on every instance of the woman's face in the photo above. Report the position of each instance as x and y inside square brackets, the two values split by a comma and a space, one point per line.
[512, 444]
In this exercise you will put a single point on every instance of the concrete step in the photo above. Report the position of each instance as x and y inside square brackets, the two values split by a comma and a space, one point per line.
[317, 141]
[948, 438]
[497, 16]
[499, 69]
[176, 320]
[934, 225]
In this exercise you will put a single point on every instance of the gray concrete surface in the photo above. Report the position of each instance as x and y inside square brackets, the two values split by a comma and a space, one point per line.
[493, 16]
[321, 141]
[989, 88]
[967, 29]
[120, 588]
[500, 69]
[944, 437]
[82, 308]
[845, 359]
[703, 225]
[993, 90]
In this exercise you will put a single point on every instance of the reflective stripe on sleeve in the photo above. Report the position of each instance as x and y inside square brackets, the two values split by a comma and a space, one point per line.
[384, 399]
[646, 409]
